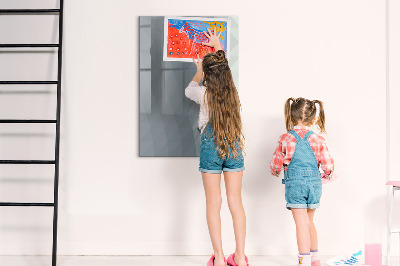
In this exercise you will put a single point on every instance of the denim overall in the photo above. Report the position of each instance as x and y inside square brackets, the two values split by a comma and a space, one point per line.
[302, 181]
[211, 162]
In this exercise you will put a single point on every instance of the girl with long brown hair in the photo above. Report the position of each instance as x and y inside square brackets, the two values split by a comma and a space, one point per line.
[221, 147]
[301, 153]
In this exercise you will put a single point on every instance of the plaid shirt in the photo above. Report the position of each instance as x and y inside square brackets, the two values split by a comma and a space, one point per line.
[287, 144]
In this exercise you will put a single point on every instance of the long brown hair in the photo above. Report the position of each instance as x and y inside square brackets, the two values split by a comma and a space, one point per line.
[303, 110]
[223, 104]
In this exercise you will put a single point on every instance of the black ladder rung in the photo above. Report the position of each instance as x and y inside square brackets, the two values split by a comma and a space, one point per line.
[32, 45]
[27, 161]
[28, 204]
[6, 11]
[29, 82]
[27, 121]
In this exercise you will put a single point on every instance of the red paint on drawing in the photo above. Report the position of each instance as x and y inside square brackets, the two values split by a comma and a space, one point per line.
[179, 44]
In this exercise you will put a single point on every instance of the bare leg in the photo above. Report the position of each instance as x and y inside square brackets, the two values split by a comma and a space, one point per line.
[212, 188]
[302, 221]
[313, 230]
[233, 183]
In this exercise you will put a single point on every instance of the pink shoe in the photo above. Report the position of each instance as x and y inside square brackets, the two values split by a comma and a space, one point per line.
[316, 263]
[231, 260]
[211, 261]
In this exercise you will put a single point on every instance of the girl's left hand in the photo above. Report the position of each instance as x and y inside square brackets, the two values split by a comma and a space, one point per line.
[213, 39]
[332, 178]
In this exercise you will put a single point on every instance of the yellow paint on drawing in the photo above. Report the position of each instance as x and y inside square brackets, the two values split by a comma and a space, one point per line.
[216, 25]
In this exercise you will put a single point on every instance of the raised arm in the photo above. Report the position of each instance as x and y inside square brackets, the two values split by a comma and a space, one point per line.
[195, 92]
[213, 39]
[199, 73]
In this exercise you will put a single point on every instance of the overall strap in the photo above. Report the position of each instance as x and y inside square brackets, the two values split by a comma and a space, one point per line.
[294, 133]
[308, 134]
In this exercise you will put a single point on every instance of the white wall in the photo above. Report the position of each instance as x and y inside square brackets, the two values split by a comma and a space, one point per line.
[113, 202]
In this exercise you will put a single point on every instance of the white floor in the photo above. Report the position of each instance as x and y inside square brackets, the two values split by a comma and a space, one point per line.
[142, 260]
[135, 260]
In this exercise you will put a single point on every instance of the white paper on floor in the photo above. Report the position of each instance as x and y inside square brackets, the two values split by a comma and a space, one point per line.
[350, 258]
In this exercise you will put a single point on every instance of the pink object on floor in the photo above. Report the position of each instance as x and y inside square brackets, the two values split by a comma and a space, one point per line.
[373, 254]
[393, 183]
[326, 181]
[231, 260]
[211, 260]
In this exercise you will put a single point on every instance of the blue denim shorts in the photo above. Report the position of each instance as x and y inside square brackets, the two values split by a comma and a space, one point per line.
[210, 160]
[303, 193]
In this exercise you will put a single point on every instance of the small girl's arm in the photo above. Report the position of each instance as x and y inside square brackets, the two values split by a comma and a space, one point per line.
[277, 159]
[327, 163]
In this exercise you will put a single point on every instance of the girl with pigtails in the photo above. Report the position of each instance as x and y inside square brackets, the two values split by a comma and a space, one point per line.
[302, 154]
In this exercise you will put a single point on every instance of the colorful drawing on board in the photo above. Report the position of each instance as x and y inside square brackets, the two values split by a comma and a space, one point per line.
[183, 37]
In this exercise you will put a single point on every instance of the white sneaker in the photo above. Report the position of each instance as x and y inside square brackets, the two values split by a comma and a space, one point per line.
[304, 260]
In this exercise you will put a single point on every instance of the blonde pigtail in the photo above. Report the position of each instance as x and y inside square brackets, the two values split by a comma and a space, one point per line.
[321, 116]
[288, 114]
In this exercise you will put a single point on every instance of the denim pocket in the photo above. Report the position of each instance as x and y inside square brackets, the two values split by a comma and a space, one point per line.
[317, 190]
[293, 190]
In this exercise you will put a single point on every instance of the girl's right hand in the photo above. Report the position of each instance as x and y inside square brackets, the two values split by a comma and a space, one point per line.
[199, 65]
[213, 39]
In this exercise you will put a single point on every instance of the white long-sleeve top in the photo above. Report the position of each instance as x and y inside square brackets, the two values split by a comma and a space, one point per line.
[196, 93]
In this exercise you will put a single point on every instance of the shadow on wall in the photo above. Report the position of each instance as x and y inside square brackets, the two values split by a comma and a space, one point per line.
[187, 210]
[259, 186]
[375, 213]
[375, 219]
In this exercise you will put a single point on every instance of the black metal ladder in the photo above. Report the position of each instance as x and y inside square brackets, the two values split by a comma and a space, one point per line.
[57, 82]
